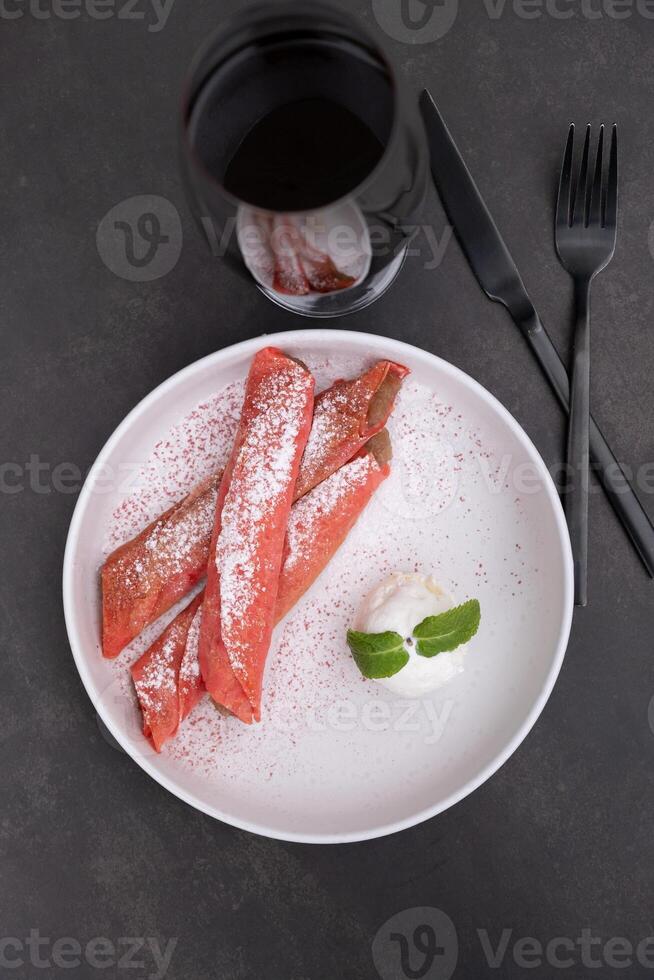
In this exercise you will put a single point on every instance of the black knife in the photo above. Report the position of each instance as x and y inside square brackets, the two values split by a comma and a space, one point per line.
[498, 276]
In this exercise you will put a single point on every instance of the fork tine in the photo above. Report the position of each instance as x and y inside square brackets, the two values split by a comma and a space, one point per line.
[563, 205]
[581, 192]
[595, 209]
[611, 203]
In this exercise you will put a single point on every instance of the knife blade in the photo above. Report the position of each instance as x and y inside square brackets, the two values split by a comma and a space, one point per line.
[498, 276]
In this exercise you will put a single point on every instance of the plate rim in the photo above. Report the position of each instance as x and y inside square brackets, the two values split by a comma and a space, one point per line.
[395, 348]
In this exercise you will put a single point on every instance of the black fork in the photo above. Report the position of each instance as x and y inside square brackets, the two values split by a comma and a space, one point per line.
[586, 223]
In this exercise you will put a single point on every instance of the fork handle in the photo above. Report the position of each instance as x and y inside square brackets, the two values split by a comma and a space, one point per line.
[619, 491]
[576, 501]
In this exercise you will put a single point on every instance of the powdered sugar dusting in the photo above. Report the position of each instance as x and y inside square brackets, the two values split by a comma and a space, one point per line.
[326, 425]
[262, 477]
[189, 671]
[174, 541]
[171, 547]
[159, 678]
[307, 512]
[194, 449]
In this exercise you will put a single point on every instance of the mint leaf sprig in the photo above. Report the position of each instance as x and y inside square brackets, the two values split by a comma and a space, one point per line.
[447, 631]
[380, 655]
[377, 654]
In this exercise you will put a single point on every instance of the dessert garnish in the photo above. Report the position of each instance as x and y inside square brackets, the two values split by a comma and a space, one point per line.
[399, 645]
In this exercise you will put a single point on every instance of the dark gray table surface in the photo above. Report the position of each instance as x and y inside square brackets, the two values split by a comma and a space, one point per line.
[560, 840]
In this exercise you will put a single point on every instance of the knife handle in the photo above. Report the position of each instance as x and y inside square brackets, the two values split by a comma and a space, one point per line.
[617, 487]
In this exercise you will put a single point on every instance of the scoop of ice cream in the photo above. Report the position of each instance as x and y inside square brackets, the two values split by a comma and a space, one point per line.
[399, 604]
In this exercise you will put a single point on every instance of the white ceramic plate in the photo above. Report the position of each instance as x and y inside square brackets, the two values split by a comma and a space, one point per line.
[336, 758]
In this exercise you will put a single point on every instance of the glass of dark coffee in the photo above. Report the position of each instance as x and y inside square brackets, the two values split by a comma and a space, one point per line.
[302, 155]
